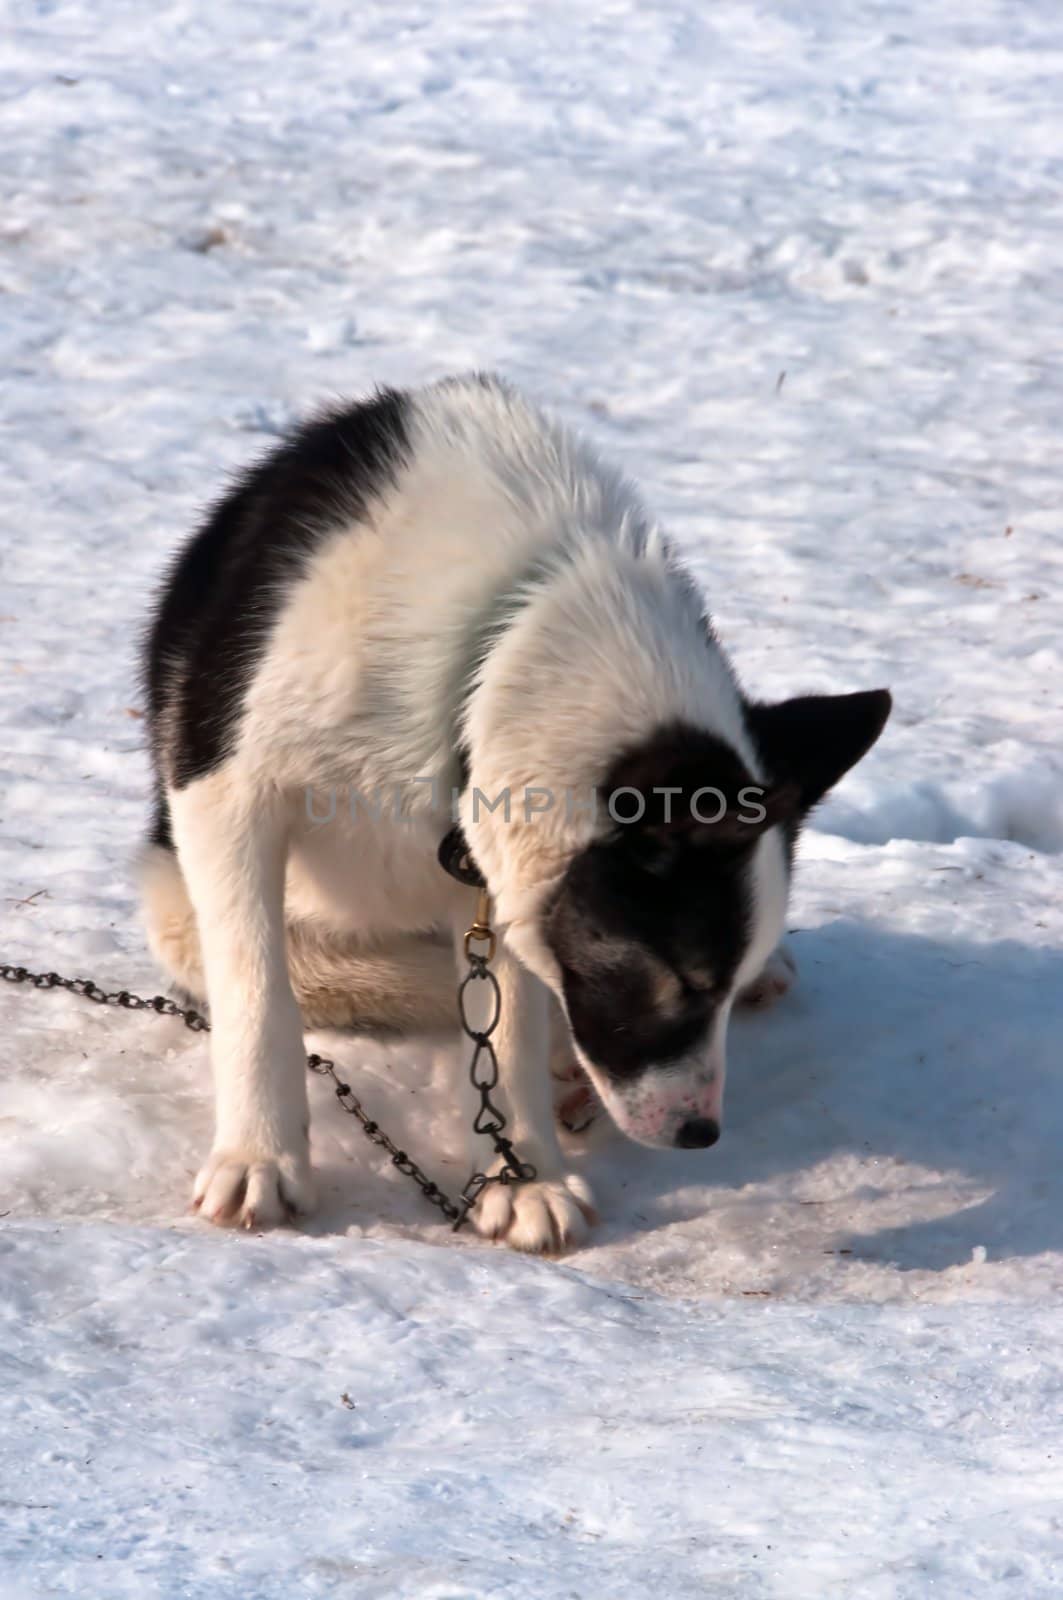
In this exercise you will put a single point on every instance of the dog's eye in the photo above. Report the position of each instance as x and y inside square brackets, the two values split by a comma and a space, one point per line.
[650, 852]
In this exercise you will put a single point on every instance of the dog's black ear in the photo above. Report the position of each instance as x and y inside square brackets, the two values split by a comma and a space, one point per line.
[814, 740]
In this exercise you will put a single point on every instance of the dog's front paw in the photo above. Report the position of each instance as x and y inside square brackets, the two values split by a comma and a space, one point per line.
[545, 1217]
[772, 982]
[248, 1190]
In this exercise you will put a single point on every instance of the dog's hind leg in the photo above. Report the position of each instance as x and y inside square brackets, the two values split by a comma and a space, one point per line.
[405, 985]
[576, 1102]
[402, 986]
[170, 921]
[776, 978]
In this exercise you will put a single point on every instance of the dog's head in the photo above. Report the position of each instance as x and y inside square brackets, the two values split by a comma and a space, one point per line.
[659, 922]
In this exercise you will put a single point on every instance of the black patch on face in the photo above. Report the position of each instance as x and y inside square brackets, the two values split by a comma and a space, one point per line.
[647, 949]
[222, 596]
[651, 923]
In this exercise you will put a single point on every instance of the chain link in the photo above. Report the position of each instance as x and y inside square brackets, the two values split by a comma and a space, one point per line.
[483, 1072]
[160, 1003]
[376, 1135]
[488, 1121]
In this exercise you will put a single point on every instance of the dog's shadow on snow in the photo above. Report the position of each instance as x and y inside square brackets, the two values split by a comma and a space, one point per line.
[915, 1080]
[935, 1067]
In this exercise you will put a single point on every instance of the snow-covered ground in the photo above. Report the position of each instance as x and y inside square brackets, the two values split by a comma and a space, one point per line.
[798, 267]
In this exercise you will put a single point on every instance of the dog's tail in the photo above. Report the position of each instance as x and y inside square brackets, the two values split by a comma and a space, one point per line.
[404, 986]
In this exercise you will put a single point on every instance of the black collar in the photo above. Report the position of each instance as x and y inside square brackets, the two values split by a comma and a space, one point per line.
[455, 857]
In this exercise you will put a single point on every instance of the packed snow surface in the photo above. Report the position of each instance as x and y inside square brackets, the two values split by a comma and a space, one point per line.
[795, 266]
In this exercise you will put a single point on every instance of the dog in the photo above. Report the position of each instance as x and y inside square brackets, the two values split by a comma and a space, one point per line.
[443, 593]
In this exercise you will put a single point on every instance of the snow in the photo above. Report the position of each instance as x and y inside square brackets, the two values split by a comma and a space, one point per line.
[292, 1416]
[796, 268]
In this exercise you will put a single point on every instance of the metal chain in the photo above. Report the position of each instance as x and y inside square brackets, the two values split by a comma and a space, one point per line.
[85, 987]
[376, 1135]
[488, 1121]
[483, 1067]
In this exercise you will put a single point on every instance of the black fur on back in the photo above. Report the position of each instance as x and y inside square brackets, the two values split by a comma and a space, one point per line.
[222, 595]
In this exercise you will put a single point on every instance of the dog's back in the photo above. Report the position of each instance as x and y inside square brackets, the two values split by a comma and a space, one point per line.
[359, 573]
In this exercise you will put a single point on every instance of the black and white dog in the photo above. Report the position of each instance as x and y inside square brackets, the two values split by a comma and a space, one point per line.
[445, 592]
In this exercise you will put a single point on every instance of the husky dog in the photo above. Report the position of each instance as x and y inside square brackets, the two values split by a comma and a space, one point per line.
[443, 593]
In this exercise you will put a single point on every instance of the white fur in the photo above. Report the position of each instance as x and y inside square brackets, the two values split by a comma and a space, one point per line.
[361, 689]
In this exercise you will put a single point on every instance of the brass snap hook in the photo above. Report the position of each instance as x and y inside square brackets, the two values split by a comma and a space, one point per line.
[480, 930]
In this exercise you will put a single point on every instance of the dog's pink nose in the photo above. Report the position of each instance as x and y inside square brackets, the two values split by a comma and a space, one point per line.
[697, 1133]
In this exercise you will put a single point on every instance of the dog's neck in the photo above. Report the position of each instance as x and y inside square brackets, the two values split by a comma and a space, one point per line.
[603, 647]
